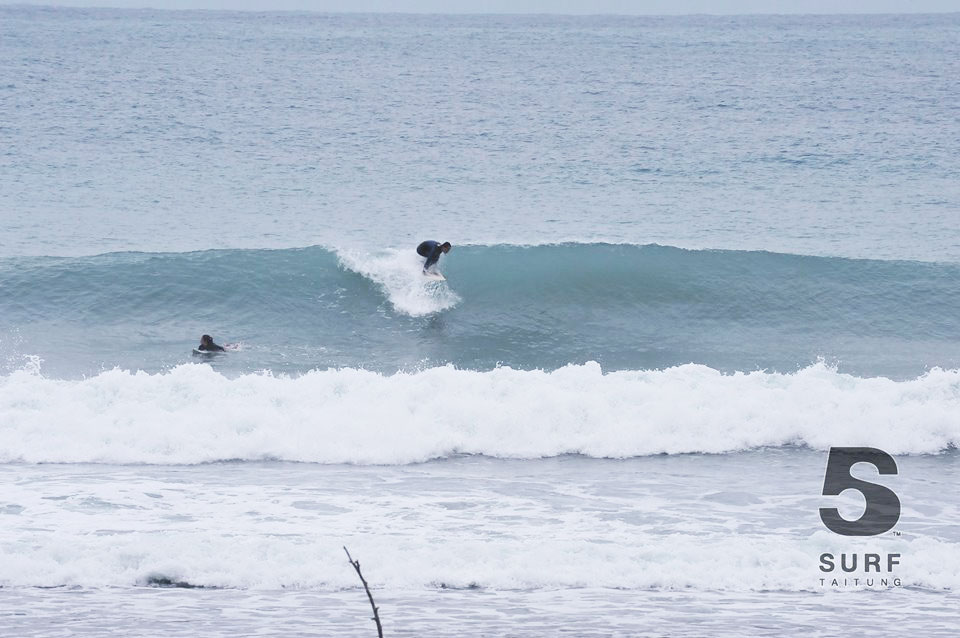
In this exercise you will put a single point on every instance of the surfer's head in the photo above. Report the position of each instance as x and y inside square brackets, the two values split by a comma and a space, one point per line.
[206, 340]
[445, 247]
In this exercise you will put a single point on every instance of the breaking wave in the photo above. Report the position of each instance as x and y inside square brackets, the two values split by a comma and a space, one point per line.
[193, 414]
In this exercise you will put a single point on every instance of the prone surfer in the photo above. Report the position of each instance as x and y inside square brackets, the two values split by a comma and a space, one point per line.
[432, 251]
[207, 345]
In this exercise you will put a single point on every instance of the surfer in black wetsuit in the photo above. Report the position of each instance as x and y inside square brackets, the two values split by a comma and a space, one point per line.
[207, 345]
[432, 251]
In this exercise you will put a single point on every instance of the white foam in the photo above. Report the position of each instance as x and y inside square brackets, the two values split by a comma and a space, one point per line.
[212, 559]
[193, 414]
[399, 273]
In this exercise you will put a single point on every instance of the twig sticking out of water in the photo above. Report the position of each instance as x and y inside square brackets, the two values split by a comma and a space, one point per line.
[376, 610]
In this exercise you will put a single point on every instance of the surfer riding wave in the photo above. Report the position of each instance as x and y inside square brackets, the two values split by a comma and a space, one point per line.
[432, 250]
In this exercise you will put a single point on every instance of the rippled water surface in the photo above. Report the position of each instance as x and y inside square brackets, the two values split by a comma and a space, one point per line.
[691, 254]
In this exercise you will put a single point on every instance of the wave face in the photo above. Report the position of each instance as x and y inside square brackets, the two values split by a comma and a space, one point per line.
[624, 306]
[194, 414]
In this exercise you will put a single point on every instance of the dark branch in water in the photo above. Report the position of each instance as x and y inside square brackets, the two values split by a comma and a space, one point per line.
[376, 610]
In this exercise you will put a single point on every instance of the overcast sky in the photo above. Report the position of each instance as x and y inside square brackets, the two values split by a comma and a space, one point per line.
[658, 7]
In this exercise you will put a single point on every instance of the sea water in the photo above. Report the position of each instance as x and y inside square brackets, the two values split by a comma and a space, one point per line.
[690, 256]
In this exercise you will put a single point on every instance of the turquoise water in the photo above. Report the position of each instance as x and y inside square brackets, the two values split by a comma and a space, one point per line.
[626, 307]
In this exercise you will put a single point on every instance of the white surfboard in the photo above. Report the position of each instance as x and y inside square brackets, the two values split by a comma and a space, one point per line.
[432, 275]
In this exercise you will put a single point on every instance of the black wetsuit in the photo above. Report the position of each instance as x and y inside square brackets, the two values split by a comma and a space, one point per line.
[431, 250]
[211, 348]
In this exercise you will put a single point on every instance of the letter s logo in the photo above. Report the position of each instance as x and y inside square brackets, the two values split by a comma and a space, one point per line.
[883, 506]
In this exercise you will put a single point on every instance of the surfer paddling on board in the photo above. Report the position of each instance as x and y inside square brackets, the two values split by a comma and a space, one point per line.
[432, 251]
[207, 345]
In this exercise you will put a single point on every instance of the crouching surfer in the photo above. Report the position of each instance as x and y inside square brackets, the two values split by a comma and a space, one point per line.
[432, 251]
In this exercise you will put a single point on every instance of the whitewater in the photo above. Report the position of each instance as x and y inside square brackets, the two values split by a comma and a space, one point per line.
[193, 414]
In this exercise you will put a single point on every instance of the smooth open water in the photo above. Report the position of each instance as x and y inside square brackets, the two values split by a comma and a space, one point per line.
[690, 255]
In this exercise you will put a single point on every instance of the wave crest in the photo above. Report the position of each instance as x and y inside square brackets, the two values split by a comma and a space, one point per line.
[193, 414]
[399, 276]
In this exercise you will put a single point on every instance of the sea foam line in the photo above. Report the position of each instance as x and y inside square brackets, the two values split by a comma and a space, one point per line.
[210, 558]
[193, 414]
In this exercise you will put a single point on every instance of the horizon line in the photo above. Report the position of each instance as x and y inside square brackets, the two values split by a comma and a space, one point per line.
[25, 5]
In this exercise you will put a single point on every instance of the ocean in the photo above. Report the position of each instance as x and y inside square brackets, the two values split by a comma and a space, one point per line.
[691, 255]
